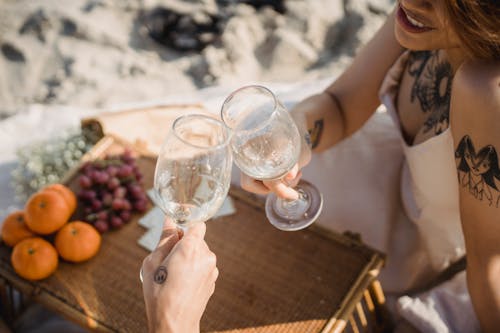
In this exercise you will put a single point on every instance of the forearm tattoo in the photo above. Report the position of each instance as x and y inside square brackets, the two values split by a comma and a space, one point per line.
[479, 172]
[315, 133]
[432, 88]
[307, 139]
[160, 275]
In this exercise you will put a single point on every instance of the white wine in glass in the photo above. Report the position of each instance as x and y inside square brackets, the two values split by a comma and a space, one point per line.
[193, 170]
[266, 144]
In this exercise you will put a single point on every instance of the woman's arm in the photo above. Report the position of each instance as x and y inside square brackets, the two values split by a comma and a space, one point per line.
[353, 97]
[475, 123]
[336, 114]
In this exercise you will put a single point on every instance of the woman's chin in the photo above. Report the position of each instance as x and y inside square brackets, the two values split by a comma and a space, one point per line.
[410, 42]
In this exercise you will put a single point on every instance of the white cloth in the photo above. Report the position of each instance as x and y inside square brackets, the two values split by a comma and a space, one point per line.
[444, 309]
[429, 194]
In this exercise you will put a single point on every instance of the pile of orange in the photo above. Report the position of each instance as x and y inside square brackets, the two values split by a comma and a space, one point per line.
[48, 212]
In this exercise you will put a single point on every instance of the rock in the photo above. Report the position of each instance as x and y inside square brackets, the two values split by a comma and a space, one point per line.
[182, 31]
[185, 7]
[286, 50]
[12, 53]
[37, 24]
[313, 19]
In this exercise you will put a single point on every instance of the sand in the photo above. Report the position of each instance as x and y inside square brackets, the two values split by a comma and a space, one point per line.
[100, 54]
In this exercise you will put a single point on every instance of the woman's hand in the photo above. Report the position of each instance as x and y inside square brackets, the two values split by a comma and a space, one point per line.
[284, 187]
[178, 279]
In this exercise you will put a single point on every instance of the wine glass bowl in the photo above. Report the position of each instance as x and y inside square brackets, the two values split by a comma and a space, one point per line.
[266, 145]
[265, 142]
[193, 170]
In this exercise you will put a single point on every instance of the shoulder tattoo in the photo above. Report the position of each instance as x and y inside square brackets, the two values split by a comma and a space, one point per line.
[479, 171]
[433, 77]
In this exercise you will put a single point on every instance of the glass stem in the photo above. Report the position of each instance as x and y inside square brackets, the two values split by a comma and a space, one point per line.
[293, 209]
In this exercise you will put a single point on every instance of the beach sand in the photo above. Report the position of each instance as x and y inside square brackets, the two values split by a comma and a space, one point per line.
[99, 53]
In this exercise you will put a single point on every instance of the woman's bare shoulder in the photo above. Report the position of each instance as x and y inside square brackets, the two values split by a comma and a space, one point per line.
[475, 108]
[479, 80]
[476, 93]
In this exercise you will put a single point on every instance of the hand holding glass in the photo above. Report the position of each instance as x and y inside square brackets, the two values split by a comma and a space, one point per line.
[266, 145]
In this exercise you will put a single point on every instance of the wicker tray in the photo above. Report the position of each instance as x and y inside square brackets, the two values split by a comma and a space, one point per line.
[270, 281]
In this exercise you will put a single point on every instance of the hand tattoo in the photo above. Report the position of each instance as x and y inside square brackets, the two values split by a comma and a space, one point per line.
[160, 275]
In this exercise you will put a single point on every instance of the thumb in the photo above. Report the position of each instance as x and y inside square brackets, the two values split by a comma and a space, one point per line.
[292, 174]
[198, 230]
[169, 237]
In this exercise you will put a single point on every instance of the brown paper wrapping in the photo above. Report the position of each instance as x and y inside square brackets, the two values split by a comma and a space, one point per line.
[145, 128]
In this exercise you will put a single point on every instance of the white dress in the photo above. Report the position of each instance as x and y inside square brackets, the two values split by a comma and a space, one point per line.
[403, 200]
[429, 196]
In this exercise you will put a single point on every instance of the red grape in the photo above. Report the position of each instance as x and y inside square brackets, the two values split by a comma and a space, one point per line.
[113, 183]
[117, 204]
[125, 215]
[102, 215]
[101, 226]
[120, 192]
[84, 181]
[111, 191]
[116, 222]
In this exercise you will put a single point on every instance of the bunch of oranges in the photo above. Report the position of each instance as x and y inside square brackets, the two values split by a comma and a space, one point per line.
[47, 212]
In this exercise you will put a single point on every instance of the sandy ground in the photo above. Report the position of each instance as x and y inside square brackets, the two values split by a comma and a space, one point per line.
[99, 53]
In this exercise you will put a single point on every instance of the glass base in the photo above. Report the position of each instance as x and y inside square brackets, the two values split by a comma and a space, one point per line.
[296, 214]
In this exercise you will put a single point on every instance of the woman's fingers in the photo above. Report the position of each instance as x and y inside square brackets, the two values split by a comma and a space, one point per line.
[281, 187]
[253, 185]
[293, 182]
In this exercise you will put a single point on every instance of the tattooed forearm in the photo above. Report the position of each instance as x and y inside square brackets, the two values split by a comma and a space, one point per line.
[315, 133]
[479, 172]
[432, 88]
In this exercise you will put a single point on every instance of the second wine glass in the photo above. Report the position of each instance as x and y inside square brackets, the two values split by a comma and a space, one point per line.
[266, 144]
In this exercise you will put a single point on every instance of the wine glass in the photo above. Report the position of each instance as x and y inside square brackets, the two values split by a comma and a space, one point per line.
[266, 144]
[193, 170]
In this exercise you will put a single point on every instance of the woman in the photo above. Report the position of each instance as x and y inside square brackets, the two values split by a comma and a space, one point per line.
[435, 64]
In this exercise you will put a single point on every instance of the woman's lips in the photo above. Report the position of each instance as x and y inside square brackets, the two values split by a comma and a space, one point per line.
[410, 24]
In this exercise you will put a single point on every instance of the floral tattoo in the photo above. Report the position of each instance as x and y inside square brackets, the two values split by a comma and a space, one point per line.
[479, 172]
[432, 88]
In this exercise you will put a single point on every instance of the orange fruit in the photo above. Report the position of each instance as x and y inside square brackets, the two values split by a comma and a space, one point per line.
[46, 212]
[77, 241]
[66, 193]
[34, 258]
[14, 229]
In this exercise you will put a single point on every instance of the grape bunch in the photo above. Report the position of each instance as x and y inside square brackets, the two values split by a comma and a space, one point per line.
[111, 191]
